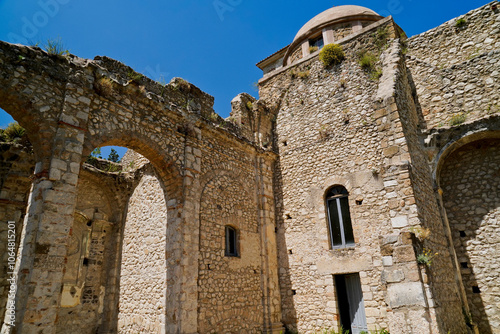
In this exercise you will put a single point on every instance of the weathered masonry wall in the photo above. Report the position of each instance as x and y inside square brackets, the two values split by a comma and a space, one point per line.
[479, 35]
[320, 126]
[328, 133]
[88, 288]
[142, 249]
[73, 105]
[143, 271]
[470, 179]
[16, 167]
[234, 294]
[456, 70]
[442, 292]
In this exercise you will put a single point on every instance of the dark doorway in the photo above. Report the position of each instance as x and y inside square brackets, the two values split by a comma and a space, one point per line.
[350, 303]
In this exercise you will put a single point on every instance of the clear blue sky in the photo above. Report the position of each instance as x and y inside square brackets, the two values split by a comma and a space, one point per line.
[213, 44]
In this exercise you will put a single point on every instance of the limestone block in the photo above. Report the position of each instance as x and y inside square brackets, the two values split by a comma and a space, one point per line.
[399, 221]
[404, 254]
[405, 294]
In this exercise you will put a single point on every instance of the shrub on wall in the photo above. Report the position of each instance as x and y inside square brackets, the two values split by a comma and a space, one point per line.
[331, 54]
[367, 61]
[13, 133]
[460, 23]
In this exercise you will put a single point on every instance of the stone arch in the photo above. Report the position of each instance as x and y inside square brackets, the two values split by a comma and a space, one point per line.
[22, 113]
[31, 91]
[162, 173]
[456, 143]
[468, 175]
[163, 162]
[74, 105]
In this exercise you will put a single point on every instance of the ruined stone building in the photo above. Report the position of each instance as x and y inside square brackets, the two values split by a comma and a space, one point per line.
[364, 194]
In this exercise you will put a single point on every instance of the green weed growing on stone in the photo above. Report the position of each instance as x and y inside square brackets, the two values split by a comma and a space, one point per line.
[213, 117]
[313, 49]
[381, 37]
[460, 23]
[332, 331]
[458, 119]
[304, 74]
[381, 331]
[163, 85]
[375, 74]
[112, 168]
[426, 257]
[131, 165]
[134, 76]
[56, 47]
[367, 60]
[492, 109]
[249, 105]
[94, 155]
[331, 54]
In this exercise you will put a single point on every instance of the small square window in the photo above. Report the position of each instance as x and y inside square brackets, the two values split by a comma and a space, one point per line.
[317, 42]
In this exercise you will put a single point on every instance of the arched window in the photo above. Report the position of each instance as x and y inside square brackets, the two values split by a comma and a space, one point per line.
[231, 241]
[339, 218]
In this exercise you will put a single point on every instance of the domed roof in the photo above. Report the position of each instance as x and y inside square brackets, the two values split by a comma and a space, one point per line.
[338, 13]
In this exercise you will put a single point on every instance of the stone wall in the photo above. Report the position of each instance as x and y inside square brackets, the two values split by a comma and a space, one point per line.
[143, 249]
[16, 168]
[470, 179]
[463, 93]
[143, 259]
[342, 30]
[327, 135]
[88, 288]
[456, 70]
[443, 299]
[479, 35]
[230, 286]
[338, 127]
[94, 103]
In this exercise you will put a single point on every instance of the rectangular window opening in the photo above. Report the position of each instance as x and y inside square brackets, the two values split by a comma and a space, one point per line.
[317, 42]
[231, 236]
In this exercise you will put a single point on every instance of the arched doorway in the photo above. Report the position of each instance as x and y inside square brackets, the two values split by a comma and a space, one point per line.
[143, 263]
[469, 177]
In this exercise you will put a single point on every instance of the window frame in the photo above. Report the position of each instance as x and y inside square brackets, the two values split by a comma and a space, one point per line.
[234, 240]
[314, 40]
[337, 193]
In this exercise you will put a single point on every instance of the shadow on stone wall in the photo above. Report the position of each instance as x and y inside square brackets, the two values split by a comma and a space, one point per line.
[16, 167]
[289, 315]
[470, 180]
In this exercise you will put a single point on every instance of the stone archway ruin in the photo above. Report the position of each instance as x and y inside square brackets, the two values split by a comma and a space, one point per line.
[71, 105]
